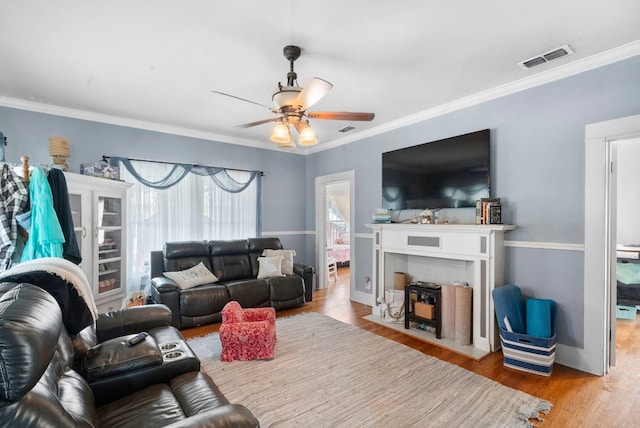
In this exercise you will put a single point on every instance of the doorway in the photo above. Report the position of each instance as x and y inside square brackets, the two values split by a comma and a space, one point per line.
[625, 205]
[600, 242]
[334, 231]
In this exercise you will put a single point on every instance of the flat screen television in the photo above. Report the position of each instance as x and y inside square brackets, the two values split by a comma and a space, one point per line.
[449, 173]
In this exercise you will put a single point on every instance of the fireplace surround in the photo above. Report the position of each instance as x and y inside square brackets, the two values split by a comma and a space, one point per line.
[445, 254]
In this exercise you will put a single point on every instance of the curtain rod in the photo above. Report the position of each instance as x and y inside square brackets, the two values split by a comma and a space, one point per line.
[105, 157]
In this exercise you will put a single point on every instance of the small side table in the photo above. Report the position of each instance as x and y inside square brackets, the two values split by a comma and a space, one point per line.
[424, 291]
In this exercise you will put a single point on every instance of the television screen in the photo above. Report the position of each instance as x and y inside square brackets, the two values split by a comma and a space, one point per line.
[449, 173]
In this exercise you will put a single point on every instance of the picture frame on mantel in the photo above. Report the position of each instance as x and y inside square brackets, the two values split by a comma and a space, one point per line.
[495, 214]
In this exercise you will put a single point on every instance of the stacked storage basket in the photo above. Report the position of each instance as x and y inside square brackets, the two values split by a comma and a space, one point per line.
[531, 344]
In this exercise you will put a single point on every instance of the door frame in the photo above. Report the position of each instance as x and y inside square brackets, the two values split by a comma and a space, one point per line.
[599, 248]
[321, 184]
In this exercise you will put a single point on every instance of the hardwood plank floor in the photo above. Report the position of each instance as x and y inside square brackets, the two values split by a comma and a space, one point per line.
[579, 399]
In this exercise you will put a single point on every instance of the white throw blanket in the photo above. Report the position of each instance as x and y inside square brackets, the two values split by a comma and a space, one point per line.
[63, 268]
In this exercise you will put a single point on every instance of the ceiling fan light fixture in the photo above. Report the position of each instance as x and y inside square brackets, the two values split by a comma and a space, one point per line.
[308, 136]
[291, 103]
[290, 143]
[281, 134]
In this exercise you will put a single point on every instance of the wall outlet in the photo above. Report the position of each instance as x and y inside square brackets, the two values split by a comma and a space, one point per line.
[367, 282]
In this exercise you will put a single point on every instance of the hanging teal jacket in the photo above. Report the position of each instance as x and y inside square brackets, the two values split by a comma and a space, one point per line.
[45, 237]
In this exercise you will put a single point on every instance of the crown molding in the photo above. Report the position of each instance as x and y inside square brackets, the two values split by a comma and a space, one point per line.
[54, 110]
[608, 57]
[595, 61]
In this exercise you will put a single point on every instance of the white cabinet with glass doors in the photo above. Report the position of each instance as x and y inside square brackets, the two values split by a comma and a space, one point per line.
[98, 210]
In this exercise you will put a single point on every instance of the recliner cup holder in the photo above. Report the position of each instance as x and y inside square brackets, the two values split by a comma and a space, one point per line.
[168, 346]
[173, 355]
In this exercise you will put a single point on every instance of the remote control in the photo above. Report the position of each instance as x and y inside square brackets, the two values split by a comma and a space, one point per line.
[137, 338]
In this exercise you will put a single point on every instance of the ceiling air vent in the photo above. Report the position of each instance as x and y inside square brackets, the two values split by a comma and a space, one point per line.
[347, 129]
[546, 57]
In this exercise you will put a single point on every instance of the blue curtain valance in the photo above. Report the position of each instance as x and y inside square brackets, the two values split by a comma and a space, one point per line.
[178, 171]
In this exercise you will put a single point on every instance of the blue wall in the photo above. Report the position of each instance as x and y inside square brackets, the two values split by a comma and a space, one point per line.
[537, 169]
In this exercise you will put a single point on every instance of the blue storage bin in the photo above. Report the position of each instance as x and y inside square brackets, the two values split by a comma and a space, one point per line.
[626, 312]
[528, 353]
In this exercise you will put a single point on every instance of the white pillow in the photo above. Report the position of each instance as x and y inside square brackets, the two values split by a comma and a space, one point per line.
[192, 277]
[287, 259]
[270, 267]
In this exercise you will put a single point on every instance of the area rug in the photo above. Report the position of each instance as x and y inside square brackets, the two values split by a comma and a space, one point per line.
[326, 373]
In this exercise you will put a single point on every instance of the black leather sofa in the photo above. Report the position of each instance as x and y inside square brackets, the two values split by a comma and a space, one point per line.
[42, 370]
[235, 264]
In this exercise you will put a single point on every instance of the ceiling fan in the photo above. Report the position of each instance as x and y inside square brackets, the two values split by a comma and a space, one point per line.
[291, 103]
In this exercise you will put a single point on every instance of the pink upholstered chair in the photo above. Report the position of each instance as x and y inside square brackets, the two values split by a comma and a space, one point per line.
[247, 334]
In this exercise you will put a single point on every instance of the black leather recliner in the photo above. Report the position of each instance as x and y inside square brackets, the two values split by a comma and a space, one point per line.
[113, 368]
[235, 264]
[40, 387]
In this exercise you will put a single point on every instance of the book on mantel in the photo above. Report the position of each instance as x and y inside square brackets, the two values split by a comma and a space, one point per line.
[381, 216]
[488, 211]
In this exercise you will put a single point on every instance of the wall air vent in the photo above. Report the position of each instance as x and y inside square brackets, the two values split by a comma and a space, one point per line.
[546, 57]
[347, 129]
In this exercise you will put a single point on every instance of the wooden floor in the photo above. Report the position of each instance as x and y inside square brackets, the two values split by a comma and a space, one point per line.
[579, 399]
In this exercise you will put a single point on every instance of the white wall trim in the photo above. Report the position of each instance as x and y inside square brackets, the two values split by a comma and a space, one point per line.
[544, 245]
[363, 235]
[288, 232]
[608, 57]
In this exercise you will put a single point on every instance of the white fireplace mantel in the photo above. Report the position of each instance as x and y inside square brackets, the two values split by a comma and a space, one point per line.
[444, 253]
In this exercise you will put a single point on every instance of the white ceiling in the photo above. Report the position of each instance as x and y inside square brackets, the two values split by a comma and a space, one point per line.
[153, 63]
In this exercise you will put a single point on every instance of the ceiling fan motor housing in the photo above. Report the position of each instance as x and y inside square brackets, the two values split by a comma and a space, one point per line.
[285, 96]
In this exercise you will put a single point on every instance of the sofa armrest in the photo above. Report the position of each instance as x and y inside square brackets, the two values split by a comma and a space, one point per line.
[308, 275]
[164, 284]
[116, 357]
[227, 416]
[131, 321]
[156, 263]
[166, 292]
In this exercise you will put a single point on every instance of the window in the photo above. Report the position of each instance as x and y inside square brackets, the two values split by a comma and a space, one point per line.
[195, 208]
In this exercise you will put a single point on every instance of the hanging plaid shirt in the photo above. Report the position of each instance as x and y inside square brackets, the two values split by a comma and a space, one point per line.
[14, 200]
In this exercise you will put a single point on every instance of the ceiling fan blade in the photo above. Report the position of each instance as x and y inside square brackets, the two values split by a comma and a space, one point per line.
[258, 122]
[340, 115]
[312, 92]
[243, 99]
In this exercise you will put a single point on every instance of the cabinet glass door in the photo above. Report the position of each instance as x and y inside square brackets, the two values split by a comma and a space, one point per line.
[79, 201]
[75, 202]
[109, 244]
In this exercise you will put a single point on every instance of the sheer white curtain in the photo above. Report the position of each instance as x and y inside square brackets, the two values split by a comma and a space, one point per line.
[194, 209]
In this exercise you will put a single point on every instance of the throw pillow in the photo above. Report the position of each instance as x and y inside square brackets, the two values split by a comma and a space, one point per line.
[197, 275]
[287, 259]
[270, 267]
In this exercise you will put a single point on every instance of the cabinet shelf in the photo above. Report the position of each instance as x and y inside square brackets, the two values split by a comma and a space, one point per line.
[109, 260]
[108, 272]
[109, 228]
